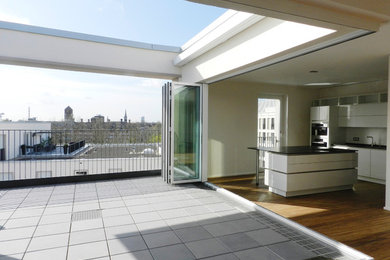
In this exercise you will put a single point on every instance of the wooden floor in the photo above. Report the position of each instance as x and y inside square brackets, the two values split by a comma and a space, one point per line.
[354, 217]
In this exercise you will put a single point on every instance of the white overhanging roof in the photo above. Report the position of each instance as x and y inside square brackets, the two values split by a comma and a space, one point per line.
[235, 43]
[239, 42]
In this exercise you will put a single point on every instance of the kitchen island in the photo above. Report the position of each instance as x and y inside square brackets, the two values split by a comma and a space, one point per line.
[299, 170]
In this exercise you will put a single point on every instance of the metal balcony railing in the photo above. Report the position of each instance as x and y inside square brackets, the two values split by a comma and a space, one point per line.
[34, 154]
[265, 141]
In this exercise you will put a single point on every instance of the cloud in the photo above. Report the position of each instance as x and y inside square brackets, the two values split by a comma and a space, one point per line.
[13, 18]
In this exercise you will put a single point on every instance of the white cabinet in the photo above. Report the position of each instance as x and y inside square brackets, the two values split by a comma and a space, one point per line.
[371, 163]
[378, 164]
[324, 114]
[364, 158]
[319, 113]
[363, 115]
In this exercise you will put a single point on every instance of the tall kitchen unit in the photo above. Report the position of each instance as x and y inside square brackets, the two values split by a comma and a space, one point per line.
[324, 126]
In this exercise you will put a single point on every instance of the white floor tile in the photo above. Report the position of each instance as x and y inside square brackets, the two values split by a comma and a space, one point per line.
[88, 250]
[173, 213]
[115, 212]
[174, 252]
[121, 231]
[136, 201]
[118, 221]
[139, 255]
[5, 214]
[21, 222]
[14, 246]
[51, 229]
[85, 206]
[112, 204]
[160, 239]
[126, 244]
[50, 254]
[58, 210]
[12, 257]
[86, 224]
[145, 217]
[47, 242]
[87, 236]
[207, 248]
[56, 218]
[16, 233]
[153, 227]
[26, 213]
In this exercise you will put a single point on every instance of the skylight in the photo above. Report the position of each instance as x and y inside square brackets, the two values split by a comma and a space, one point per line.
[168, 22]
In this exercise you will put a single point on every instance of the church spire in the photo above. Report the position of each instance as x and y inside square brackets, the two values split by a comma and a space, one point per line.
[125, 117]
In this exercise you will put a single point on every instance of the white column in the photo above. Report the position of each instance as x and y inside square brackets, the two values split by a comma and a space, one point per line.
[387, 201]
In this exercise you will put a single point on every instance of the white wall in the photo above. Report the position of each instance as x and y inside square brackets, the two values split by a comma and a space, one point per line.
[233, 123]
[387, 200]
[379, 135]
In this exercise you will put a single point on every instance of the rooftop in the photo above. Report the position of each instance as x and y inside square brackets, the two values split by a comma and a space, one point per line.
[145, 218]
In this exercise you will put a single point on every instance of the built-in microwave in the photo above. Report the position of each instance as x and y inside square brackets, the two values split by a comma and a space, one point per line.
[319, 135]
[318, 129]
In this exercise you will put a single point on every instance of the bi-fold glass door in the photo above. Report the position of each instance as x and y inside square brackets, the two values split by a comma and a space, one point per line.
[183, 132]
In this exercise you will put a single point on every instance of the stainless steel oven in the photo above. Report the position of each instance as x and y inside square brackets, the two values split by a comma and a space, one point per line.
[318, 129]
[319, 135]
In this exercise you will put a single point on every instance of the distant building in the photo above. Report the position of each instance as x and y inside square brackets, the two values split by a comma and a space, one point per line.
[68, 114]
[15, 134]
[97, 119]
[125, 117]
[142, 119]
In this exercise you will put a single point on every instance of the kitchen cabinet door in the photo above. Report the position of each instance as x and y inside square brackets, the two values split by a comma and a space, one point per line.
[324, 113]
[343, 121]
[344, 111]
[315, 113]
[364, 162]
[378, 164]
[319, 113]
[377, 109]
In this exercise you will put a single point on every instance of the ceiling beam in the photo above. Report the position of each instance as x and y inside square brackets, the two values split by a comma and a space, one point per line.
[48, 48]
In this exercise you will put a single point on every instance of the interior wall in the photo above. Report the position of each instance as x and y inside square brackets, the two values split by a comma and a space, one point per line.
[387, 200]
[379, 135]
[232, 123]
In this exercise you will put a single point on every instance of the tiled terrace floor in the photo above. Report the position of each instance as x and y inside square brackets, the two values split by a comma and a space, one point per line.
[142, 218]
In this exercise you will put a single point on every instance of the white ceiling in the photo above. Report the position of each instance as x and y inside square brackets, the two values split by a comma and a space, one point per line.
[359, 60]
[363, 14]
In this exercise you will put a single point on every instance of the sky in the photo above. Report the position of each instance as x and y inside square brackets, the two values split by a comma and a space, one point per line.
[47, 92]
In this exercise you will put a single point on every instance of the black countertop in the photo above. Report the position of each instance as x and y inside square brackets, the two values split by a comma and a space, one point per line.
[375, 146]
[299, 150]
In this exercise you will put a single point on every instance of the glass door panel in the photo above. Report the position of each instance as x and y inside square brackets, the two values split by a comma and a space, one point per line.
[186, 135]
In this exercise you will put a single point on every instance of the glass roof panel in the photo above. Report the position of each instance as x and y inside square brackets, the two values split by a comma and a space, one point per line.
[165, 22]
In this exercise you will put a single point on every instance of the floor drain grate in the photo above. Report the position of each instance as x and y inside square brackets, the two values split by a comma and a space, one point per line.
[86, 215]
